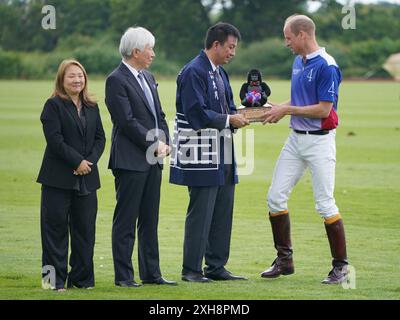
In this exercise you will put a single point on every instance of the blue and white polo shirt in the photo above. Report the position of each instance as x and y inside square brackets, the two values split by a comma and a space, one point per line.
[317, 79]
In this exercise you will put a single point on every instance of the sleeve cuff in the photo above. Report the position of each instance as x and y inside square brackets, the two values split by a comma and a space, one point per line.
[227, 121]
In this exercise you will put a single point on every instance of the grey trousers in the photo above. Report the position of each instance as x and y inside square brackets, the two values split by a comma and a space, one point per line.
[208, 228]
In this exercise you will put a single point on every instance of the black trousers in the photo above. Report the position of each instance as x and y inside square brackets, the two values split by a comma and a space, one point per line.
[64, 213]
[208, 227]
[138, 201]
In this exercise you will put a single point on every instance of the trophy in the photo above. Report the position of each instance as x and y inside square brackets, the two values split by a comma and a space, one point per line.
[253, 96]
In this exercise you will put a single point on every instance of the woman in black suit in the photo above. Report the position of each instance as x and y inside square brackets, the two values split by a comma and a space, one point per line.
[69, 177]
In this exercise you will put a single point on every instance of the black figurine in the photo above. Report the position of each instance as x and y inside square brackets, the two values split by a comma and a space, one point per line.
[254, 93]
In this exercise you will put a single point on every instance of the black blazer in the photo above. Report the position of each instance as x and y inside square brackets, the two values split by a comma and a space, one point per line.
[132, 118]
[68, 144]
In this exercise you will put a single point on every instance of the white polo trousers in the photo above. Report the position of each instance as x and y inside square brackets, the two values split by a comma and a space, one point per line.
[302, 151]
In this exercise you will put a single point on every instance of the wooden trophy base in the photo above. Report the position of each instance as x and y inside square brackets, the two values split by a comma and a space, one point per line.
[254, 114]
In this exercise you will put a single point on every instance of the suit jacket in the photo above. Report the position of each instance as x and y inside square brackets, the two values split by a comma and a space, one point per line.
[198, 123]
[68, 144]
[132, 119]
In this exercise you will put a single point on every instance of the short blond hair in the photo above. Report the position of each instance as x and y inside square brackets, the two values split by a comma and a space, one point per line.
[299, 22]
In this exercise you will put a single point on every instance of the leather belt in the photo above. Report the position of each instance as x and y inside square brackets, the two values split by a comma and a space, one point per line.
[317, 132]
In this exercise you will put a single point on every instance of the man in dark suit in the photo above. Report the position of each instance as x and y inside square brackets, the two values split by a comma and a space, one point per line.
[140, 141]
[203, 155]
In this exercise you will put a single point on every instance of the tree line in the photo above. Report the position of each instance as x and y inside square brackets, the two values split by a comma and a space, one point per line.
[89, 30]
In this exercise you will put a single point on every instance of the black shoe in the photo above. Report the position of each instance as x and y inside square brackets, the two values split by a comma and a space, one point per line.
[194, 277]
[71, 285]
[127, 284]
[224, 275]
[74, 286]
[160, 281]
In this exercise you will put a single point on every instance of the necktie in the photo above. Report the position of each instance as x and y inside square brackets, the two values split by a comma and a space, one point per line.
[148, 95]
[221, 91]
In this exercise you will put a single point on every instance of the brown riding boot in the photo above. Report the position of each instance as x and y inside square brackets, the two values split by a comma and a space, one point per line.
[283, 264]
[337, 243]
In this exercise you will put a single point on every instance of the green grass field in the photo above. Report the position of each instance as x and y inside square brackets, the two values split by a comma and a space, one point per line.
[367, 193]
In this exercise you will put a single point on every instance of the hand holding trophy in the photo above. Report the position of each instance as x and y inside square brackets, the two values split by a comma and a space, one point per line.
[254, 96]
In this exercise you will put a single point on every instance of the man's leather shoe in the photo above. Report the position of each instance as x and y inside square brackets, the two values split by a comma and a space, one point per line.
[74, 286]
[194, 277]
[71, 285]
[223, 276]
[279, 267]
[337, 275]
[160, 281]
[128, 284]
